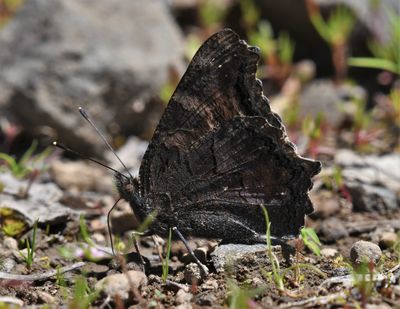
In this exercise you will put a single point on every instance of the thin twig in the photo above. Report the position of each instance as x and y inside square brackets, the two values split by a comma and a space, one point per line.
[316, 300]
[106, 303]
[11, 300]
[177, 285]
[40, 277]
[348, 280]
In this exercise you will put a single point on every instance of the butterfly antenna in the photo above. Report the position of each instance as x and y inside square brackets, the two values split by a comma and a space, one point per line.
[86, 116]
[65, 148]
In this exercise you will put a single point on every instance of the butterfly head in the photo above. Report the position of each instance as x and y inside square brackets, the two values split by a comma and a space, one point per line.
[127, 186]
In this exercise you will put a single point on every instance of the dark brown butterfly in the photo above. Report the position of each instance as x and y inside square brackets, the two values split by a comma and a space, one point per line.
[219, 153]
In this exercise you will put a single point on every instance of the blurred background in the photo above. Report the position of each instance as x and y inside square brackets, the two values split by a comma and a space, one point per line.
[329, 67]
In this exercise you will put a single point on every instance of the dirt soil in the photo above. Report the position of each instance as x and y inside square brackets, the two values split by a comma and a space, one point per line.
[244, 280]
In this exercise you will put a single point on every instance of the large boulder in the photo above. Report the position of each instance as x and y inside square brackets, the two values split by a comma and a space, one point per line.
[111, 57]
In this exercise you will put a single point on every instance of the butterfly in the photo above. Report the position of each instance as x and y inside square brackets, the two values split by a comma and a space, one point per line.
[219, 153]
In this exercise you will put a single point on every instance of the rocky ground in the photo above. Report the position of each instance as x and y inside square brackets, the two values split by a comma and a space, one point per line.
[72, 261]
[121, 61]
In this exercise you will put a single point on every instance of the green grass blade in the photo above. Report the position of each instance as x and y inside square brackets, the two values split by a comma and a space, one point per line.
[165, 266]
[374, 63]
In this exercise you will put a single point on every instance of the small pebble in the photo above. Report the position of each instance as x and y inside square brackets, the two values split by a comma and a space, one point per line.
[333, 229]
[341, 271]
[329, 252]
[388, 239]
[99, 239]
[376, 235]
[118, 284]
[183, 297]
[184, 306]
[396, 290]
[7, 265]
[365, 251]
[154, 279]
[10, 244]
[256, 282]
[207, 299]
[193, 274]
[46, 297]
[210, 284]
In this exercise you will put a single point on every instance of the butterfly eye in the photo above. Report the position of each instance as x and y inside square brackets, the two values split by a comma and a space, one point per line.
[129, 188]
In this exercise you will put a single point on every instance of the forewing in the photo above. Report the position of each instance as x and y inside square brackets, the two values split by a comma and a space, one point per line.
[218, 85]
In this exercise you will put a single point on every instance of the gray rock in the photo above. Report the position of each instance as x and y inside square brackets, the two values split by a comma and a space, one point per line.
[235, 254]
[57, 55]
[333, 229]
[91, 177]
[364, 252]
[118, 284]
[371, 198]
[371, 169]
[41, 203]
[323, 96]
[373, 181]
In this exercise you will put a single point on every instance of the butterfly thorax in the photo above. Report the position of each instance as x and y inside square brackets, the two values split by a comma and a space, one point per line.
[128, 188]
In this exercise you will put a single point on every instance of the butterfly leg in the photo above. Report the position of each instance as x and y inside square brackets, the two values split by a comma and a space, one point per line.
[201, 265]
